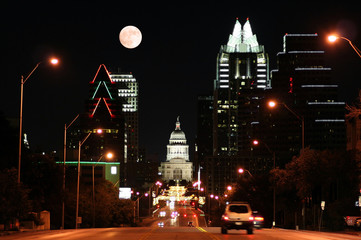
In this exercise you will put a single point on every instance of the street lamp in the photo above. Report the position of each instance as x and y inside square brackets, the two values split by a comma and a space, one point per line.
[53, 61]
[137, 204]
[64, 152]
[109, 155]
[78, 180]
[273, 104]
[242, 170]
[256, 142]
[333, 38]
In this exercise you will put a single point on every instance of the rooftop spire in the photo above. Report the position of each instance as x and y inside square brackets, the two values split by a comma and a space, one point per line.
[177, 124]
[237, 30]
[242, 39]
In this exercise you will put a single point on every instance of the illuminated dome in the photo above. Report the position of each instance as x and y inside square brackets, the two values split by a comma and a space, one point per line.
[177, 166]
[177, 136]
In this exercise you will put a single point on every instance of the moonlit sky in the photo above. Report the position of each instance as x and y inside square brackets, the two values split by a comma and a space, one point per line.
[174, 63]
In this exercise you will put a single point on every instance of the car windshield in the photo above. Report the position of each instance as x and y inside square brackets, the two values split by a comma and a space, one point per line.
[238, 209]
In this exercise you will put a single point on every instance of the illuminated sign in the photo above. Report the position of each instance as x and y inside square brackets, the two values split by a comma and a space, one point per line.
[125, 193]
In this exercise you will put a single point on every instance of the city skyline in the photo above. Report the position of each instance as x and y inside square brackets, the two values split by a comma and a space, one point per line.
[175, 62]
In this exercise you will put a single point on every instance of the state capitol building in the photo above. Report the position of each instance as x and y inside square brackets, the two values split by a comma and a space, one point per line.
[177, 166]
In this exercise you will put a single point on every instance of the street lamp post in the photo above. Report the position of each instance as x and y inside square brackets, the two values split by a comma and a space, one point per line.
[109, 155]
[333, 38]
[53, 61]
[273, 104]
[78, 181]
[64, 152]
[256, 142]
[242, 170]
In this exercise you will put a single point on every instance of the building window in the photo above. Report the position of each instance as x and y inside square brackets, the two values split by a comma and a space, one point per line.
[113, 170]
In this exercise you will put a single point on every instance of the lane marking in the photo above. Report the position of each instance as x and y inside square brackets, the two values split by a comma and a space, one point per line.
[145, 236]
[211, 235]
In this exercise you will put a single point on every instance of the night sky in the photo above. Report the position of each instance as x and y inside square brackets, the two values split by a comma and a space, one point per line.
[175, 62]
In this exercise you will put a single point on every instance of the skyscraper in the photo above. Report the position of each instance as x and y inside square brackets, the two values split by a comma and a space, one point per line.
[103, 111]
[241, 78]
[127, 92]
[305, 84]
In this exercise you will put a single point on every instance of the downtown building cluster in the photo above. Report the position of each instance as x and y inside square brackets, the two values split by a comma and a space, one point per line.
[111, 116]
[308, 114]
[229, 119]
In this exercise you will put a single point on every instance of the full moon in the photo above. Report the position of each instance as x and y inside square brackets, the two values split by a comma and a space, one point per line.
[130, 37]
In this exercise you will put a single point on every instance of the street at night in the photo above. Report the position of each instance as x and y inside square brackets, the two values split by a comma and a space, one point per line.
[178, 233]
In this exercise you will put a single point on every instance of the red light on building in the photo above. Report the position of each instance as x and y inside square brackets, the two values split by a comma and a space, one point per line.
[291, 85]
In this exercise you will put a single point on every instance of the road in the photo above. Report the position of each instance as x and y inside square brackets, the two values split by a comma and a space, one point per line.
[175, 233]
[176, 228]
[186, 214]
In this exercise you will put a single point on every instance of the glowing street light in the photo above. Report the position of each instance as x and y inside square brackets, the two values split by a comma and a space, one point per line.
[272, 104]
[333, 38]
[242, 170]
[109, 155]
[52, 61]
[229, 188]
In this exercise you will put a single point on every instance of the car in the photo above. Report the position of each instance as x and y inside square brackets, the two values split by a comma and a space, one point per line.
[353, 221]
[257, 220]
[237, 215]
[162, 214]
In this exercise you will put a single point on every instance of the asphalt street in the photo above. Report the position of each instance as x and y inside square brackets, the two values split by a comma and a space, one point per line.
[172, 223]
[176, 233]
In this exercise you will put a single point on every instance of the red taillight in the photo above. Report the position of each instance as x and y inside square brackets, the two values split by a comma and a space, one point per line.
[226, 218]
[251, 218]
[258, 218]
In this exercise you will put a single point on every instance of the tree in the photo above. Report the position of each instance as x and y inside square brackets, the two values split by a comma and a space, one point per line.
[317, 176]
[110, 211]
[43, 177]
[14, 197]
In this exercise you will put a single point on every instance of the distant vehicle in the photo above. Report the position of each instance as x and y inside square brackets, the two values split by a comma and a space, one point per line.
[257, 220]
[162, 214]
[237, 215]
[161, 224]
[353, 221]
[174, 214]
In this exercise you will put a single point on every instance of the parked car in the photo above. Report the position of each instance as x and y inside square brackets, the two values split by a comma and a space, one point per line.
[237, 215]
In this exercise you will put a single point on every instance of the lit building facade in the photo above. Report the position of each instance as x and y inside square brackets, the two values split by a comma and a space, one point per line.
[241, 77]
[177, 166]
[127, 91]
[305, 84]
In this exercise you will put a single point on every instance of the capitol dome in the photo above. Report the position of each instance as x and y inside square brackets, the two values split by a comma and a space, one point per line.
[177, 136]
[177, 166]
